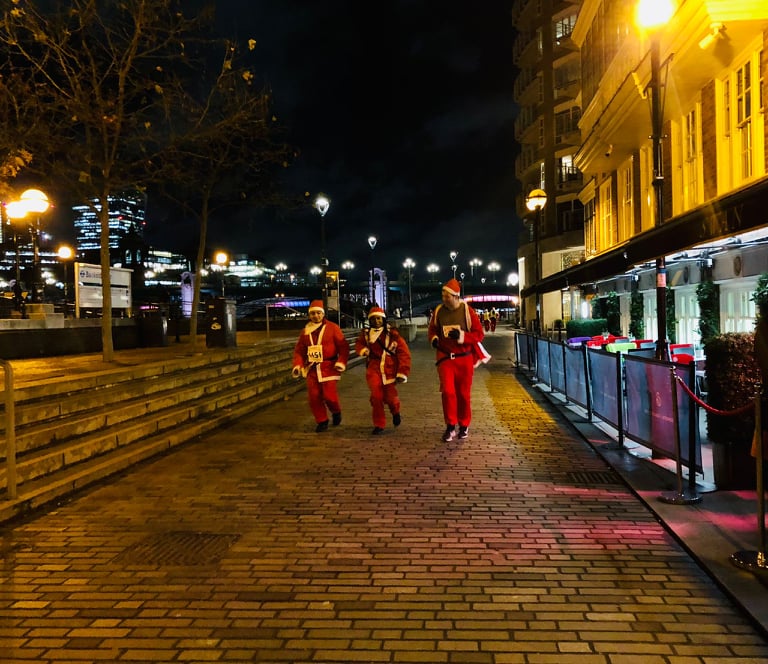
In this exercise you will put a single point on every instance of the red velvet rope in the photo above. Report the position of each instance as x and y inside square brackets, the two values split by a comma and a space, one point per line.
[710, 409]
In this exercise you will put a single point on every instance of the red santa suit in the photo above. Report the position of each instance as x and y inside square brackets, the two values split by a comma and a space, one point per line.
[456, 359]
[388, 362]
[321, 355]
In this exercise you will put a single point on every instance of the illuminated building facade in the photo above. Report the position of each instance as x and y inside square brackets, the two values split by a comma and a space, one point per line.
[710, 173]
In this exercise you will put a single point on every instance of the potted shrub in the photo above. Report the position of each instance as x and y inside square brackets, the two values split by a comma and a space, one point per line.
[708, 296]
[733, 379]
[636, 314]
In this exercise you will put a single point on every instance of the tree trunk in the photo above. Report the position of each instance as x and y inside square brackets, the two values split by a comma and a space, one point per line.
[107, 347]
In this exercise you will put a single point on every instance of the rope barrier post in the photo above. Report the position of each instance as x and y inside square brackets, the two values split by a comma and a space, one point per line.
[756, 561]
[682, 496]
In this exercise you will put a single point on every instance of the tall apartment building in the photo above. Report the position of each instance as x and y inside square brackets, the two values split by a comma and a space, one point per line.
[547, 94]
[711, 170]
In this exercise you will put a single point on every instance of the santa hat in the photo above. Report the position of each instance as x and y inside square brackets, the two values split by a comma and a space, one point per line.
[452, 286]
[376, 311]
[316, 305]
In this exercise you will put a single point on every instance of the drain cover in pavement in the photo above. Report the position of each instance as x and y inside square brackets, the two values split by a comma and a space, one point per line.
[178, 548]
[593, 477]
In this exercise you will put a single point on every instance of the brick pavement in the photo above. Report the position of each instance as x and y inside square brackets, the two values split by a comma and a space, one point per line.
[266, 542]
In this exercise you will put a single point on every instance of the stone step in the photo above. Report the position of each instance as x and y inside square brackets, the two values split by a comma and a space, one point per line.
[76, 430]
[84, 411]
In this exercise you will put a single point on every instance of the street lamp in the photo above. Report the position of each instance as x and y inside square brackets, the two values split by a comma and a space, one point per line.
[652, 16]
[30, 201]
[475, 262]
[408, 264]
[433, 269]
[535, 201]
[222, 260]
[372, 244]
[493, 268]
[452, 256]
[65, 254]
[512, 281]
[321, 205]
[280, 268]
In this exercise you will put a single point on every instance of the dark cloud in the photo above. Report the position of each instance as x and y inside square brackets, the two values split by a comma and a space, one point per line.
[403, 114]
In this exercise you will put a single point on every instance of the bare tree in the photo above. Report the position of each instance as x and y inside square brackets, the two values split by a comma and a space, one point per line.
[99, 71]
[224, 146]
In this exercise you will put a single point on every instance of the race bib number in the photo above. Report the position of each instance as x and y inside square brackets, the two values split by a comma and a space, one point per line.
[315, 353]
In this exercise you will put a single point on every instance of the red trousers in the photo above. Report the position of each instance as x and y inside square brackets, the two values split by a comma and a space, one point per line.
[456, 388]
[382, 395]
[321, 396]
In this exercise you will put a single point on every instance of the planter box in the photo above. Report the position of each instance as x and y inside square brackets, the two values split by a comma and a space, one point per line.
[734, 467]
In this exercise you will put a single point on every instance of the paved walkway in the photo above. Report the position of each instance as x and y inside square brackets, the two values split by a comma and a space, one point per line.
[265, 542]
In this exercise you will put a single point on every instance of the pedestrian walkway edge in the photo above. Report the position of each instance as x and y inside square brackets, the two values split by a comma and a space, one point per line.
[701, 529]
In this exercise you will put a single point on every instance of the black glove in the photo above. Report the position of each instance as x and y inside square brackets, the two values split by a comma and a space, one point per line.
[434, 342]
[453, 334]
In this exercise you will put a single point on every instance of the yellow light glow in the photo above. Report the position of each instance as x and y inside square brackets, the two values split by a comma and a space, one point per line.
[653, 14]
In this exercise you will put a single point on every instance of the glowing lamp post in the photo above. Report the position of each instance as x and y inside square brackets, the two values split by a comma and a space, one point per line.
[409, 265]
[475, 262]
[222, 260]
[493, 268]
[322, 203]
[31, 201]
[535, 202]
[372, 244]
[65, 254]
[452, 256]
[652, 15]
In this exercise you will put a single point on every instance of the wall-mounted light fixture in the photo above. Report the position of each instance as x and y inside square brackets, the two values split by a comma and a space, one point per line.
[716, 31]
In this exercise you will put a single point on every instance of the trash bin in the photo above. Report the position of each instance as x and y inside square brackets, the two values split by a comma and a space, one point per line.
[153, 331]
[220, 327]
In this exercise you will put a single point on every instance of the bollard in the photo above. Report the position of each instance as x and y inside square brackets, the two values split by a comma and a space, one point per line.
[756, 561]
[682, 496]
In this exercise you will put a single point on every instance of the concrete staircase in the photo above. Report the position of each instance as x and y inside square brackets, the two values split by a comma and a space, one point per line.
[75, 430]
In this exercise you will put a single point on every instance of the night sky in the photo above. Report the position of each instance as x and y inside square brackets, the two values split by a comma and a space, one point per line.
[403, 115]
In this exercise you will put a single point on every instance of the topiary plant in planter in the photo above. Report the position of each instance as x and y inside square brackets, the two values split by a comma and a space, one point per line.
[708, 296]
[636, 314]
[733, 379]
[760, 295]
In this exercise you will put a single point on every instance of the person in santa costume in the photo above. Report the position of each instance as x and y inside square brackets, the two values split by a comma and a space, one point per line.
[320, 356]
[456, 333]
[388, 362]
